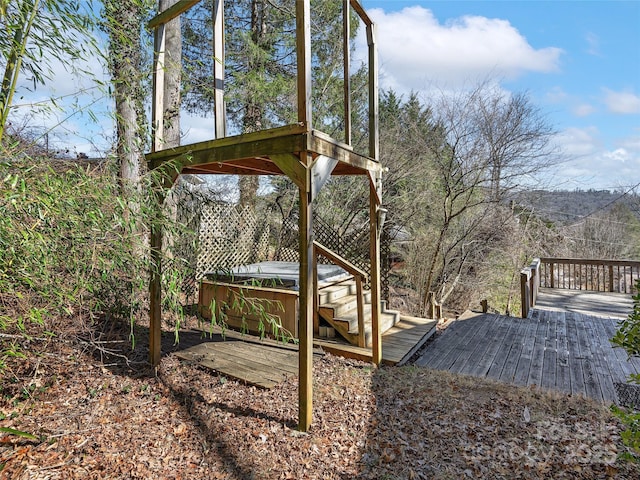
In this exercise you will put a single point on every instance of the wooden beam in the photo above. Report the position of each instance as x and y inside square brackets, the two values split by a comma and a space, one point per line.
[292, 167]
[157, 107]
[346, 37]
[303, 55]
[155, 291]
[305, 325]
[250, 143]
[219, 108]
[374, 141]
[361, 12]
[170, 13]
[374, 256]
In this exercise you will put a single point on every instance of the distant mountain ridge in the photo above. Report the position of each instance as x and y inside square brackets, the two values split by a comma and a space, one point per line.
[568, 206]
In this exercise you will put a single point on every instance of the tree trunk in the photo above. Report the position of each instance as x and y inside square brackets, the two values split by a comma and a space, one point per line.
[172, 77]
[125, 65]
[252, 120]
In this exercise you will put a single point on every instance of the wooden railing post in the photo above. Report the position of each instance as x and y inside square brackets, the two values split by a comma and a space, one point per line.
[360, 303]
[524, 293]
[431, 313]
[611, 278]
[553, 283]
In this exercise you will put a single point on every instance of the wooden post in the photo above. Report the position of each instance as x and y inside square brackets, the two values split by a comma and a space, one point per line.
[303, 55]
[485, 305]
[305, 330]
[360, 307]
[346, 51]
[553, 285]
[155, 295]
[219, 108]
[611, 278]
[524, 294]
[374, 140]
[155, 240]
[431, 301]
[375, 194]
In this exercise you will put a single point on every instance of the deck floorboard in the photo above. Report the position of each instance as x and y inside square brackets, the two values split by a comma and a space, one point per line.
[563, 350]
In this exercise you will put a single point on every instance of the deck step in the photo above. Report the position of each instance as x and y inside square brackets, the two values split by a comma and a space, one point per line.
[335, 292]
[344, 318]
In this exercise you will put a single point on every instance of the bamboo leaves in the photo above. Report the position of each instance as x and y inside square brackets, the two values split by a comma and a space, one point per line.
[55, 32]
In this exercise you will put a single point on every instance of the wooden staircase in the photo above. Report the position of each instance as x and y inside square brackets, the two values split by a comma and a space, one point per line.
[338, 307]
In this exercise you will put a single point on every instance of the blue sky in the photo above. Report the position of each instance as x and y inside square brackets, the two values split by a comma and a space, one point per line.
[578, 60]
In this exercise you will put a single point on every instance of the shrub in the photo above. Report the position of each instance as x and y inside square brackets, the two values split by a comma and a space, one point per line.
[68, 247]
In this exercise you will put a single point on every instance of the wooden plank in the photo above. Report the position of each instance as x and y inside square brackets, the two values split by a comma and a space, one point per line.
[303, 61]
[446, 348]
[306, 314]
[455, 358]
[475, 347]
[521, 372]
[346, 74]
[506, 358]
[500, 330]
[622, 367]
[242, 355]
[410, 347]
[591, 385]
[170, 13]
[292, 135]
[374, 262]
[480, 360]
[248, 372]
[563, 373]
[537, 354]
[273, 359]
[603, 356]
[576, 376]
[550, 354]
[219, 62]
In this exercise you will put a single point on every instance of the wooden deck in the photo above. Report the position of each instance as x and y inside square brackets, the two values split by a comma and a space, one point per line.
[265, 362]
[560, 350]
[260, 362]
[600, 304]
[399, 343]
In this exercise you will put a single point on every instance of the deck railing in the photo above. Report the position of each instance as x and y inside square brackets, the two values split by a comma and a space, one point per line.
[359, 275]
[619, 276]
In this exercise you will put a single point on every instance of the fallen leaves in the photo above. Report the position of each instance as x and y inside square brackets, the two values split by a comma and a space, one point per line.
[93, 421]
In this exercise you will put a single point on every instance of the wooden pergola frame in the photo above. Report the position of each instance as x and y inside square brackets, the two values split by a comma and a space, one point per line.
[307, 156]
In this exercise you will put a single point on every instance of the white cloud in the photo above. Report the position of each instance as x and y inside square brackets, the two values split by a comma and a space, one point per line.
[577, 142]
[624, 102]
[593, 44]
[583, 110]
[556, 95]
[417, 50]
[594, 165]
[619, 155]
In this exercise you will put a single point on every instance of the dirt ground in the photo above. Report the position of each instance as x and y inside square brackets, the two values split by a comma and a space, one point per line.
[97, 411]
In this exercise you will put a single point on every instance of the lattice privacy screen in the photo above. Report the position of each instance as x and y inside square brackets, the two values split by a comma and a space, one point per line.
[229, 236]
[628, 395]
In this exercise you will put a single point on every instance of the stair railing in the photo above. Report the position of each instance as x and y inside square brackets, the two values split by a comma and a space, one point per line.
[359, 275]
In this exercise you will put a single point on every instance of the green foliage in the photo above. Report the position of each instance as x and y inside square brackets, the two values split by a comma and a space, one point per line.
[71, 249]
[631, 435]
[65, 245]
[628, 334]
[628, 337]
[240, 303]
[18, 433]
[55, 31]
